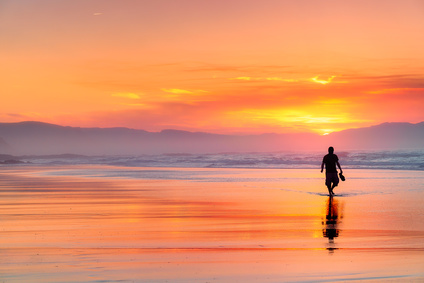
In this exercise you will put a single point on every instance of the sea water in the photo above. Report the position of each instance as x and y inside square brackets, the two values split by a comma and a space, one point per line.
[399, 160]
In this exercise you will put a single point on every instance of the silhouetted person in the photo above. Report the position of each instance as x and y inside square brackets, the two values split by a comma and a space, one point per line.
[331, 178]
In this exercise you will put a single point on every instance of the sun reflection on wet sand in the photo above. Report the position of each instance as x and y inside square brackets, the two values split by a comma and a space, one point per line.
[211, 224]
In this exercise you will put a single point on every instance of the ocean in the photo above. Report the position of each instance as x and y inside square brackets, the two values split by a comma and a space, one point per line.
[395, 160]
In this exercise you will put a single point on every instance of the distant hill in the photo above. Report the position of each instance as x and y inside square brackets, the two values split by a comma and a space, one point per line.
[386, 136]
[46, 139]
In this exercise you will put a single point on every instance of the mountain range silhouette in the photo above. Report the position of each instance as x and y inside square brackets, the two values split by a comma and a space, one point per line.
[43, 138]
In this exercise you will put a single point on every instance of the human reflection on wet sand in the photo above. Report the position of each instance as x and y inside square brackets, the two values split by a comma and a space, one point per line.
[331, 222]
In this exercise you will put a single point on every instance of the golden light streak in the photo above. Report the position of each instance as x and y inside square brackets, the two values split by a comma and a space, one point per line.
[392, 90]
[135, 104]
[281, 79]
[324, 82]
[242, 78]
[333, 101]
[176, 91]
[264, 79]
[127, 95]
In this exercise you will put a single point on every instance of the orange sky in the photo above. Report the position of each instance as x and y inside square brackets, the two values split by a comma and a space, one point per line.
[218, 66]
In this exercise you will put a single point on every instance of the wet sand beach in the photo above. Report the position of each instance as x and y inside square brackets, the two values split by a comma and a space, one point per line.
[104, 223]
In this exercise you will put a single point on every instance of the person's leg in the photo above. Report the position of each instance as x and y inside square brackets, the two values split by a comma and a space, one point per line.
[335, 181]
[330, 190]
[328, 184]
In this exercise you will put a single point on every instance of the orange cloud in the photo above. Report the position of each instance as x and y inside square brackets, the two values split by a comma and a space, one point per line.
[242, 78]
[281, 79]
[177, 91]
[395, 90]
[127, 95]
[324, 82]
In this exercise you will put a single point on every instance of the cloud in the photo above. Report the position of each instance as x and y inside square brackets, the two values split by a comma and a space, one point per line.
[269, 106]
[18, 117]
[264, 79]
[395, 90]
[324, 82]
[242, 78]
[314, 79]
[127, 95]
[257, 99]
[399, 81]
[206, 67]
[176, 91]
[281, 79]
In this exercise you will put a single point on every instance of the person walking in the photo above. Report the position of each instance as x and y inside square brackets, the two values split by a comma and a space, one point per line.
[331, 178]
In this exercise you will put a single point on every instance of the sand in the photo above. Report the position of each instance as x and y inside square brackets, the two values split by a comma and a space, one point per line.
[103, 223]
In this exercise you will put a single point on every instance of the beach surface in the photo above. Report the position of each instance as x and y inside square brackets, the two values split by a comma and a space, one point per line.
[110, 223]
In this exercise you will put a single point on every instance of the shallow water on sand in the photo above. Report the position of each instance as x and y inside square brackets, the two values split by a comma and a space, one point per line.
[103, 223]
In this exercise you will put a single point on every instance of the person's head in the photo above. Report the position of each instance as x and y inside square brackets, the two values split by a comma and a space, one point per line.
[331, 150]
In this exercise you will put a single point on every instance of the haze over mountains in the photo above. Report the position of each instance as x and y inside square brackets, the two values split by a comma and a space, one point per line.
[36, 138]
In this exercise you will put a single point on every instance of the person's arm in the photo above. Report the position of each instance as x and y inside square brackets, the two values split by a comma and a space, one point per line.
[338, 165]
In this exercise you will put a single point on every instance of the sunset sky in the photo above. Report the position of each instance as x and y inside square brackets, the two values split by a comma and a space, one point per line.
[233, 66]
